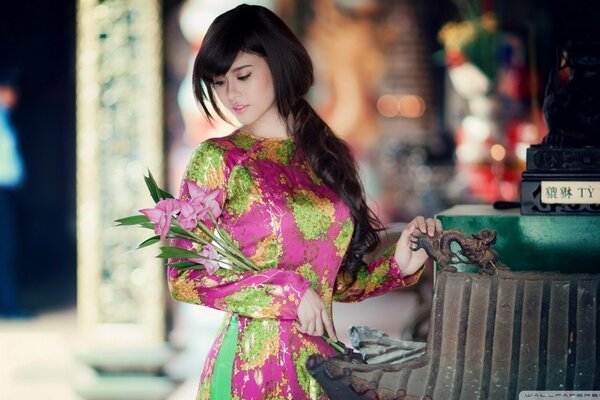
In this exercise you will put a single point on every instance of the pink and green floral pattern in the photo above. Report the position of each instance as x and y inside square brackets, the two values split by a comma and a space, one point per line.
[296, 230]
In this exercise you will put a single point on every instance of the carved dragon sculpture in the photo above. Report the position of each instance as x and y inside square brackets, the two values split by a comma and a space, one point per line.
[474, 249]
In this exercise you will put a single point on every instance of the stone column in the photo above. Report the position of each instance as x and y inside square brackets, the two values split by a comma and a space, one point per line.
[121, 293]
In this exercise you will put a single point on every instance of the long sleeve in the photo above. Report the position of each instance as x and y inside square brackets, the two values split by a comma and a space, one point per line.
[379, 277]
[269, 293]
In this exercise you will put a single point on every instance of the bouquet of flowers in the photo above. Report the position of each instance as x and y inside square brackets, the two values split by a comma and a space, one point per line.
[173, 218]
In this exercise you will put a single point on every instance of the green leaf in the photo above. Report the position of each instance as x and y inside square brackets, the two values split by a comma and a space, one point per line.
[180, 231]
[156, 192]
[164, 194]
[185, 264]
[149, 242]
[176, 252]
[133, 220]
[152, 187]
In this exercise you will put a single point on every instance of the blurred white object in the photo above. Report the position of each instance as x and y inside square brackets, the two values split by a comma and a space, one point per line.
[468, 80]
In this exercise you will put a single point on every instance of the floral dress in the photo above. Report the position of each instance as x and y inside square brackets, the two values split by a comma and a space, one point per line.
[296, 230]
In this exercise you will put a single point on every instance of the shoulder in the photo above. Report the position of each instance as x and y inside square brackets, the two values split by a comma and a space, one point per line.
[214, 157]
[206, 165]
[213, 149]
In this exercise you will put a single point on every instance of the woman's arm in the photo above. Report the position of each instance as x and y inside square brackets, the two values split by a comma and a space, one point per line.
[271, 293]
[398, 267]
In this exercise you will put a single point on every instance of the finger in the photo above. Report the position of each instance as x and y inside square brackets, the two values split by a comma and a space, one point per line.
[299, 327]
[405, 237]
[329, 326]
[430, 226]
[420, 223]
[438, 225]
[407, 231]
[310, 328]
[318, 327]
[413, 245]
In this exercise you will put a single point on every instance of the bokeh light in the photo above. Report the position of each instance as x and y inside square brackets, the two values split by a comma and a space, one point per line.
[498, 152]
[411, 106]
[387, 105]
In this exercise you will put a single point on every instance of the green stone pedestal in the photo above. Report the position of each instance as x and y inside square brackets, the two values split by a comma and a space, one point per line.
[565, 243]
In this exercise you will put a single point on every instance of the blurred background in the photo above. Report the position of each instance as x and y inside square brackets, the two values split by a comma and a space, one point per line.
[439, 100]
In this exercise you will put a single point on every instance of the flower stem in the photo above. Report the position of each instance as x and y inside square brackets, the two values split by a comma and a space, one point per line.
[226, 247]
[339, 346]
[222, 261]
[225, 250]
[230, 245]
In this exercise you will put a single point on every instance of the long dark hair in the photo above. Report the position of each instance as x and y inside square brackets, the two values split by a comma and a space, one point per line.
[257, 30]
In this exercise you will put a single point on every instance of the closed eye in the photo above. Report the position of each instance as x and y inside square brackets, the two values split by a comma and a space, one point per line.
[243, 78]
[218, 83]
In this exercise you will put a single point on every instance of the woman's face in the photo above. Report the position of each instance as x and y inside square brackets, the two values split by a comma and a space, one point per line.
[247, 91]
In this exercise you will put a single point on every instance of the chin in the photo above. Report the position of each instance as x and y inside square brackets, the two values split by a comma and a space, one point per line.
[246, 121]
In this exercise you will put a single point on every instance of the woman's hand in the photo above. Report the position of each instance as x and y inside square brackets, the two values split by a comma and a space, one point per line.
[313, 318]
[410, 261]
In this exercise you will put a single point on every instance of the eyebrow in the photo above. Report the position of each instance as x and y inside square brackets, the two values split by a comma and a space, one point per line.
[240, 67]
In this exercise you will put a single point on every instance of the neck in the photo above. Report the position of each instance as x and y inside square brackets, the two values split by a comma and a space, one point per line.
[270, 126]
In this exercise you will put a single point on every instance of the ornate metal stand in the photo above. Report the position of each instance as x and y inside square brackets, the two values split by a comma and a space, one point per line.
[490, 337]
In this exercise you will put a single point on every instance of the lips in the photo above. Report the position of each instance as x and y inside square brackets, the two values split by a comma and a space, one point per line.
[239, 109]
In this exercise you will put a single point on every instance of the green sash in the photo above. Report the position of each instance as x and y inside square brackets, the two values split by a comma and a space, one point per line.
[220, 387]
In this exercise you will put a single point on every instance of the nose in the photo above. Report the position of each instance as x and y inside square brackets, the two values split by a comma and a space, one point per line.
[233, 90]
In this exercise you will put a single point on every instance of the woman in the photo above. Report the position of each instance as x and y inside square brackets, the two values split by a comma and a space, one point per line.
[292, 201]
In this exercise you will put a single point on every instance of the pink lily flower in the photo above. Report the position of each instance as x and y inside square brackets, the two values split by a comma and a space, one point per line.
[211, 263]
[211, 203]
[202, 200]
[188, 217]
[161, 215]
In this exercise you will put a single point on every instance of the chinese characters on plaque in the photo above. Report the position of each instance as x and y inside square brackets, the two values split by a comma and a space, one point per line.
[570, 192]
